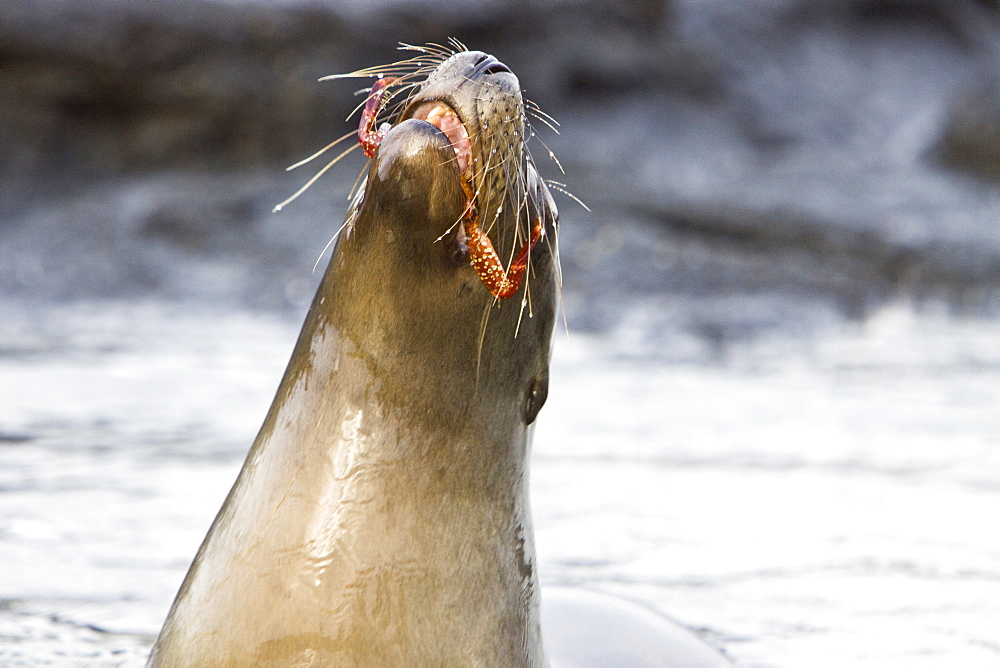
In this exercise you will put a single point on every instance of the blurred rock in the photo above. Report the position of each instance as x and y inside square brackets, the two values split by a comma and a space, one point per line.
[972, 137]
[107, 88]
[785, 143]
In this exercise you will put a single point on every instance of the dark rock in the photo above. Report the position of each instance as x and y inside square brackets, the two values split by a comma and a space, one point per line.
[971, 139]
[780, 146]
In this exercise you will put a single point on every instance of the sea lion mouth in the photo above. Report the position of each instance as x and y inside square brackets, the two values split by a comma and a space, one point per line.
[445, 119]
[475, 105]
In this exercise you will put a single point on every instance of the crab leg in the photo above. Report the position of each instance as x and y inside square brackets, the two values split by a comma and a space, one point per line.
[502, 283]
[369, 137]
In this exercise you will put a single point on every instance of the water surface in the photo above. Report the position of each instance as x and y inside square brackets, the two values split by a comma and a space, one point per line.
[819, 500]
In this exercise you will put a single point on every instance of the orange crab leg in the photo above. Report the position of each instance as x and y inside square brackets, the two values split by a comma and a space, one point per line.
[502, 283]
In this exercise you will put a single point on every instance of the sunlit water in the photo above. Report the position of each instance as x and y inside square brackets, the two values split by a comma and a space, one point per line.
[821, 500]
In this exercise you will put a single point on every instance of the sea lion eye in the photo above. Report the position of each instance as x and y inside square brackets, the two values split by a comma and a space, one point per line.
[538, 392]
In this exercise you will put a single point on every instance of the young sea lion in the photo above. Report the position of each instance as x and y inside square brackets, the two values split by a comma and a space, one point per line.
[381, 517]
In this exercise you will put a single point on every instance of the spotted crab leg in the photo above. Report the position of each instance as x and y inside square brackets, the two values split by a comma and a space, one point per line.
[502, 283]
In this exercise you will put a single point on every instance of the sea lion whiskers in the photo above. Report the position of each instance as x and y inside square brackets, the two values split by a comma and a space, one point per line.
[449, 230]
[552, 241]
[496, 180]
[516, 192]
[319, 152]
[408, 67]
[532, 108]
[526, 303]
[487, 199]
[310, 182]
[489, 165]
[561, 187]
[552, 155]
[521, 177]
[457, 45]
[347, 224]
[517, 187]
[519, 207]
[313, 180]
[529, 272]
[432, 48]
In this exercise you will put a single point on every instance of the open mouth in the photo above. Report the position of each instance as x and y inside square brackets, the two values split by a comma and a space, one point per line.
[444, 118]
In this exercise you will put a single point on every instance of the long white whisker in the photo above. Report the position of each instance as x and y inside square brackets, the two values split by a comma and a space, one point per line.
[551, 154]
[348, 221]
[561, 187]
[313, 180]
[319, 152]
[537, 112]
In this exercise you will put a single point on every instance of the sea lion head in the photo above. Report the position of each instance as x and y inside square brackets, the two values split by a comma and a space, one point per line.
[475, 100]
[461, 133]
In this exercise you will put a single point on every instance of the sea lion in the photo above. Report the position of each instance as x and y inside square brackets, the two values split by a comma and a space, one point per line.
[381, 516]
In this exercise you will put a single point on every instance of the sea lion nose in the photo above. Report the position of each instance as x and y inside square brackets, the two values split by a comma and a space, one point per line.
[487, 64]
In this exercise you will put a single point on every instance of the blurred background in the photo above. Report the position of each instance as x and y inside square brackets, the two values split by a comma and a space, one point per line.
[775, 406]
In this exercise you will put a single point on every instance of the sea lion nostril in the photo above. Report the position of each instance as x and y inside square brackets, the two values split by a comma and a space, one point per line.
[487, 64]
[496, 68]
